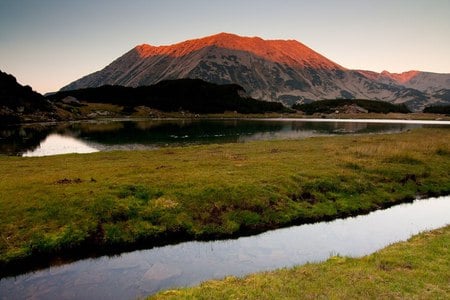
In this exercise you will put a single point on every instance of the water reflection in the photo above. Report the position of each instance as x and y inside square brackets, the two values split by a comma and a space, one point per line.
[147, 134]
[59, 144]
[16, 140]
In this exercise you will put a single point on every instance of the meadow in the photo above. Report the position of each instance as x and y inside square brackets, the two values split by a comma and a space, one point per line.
[60, 207]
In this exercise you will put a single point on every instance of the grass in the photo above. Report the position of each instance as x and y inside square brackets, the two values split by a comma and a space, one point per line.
[416, 269]
[111, 201]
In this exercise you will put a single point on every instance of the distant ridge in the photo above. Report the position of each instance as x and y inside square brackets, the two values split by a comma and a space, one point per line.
[276, 70]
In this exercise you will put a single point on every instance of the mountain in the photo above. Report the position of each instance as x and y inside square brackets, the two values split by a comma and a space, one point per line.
[422, 81]
[276, 70]
[17, 101]
[18, 97]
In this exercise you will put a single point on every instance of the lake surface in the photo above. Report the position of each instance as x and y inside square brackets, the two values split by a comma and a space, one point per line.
[93, 136]
[145, 272]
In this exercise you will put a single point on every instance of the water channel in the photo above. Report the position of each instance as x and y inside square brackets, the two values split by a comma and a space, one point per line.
[144, 272]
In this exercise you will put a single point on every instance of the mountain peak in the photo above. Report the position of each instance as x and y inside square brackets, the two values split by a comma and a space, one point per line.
[401, 77]
[289, 52]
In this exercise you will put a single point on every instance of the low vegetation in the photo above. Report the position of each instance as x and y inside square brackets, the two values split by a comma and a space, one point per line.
[416, 269]
[70, 205]
[331, 106]
[438, 109]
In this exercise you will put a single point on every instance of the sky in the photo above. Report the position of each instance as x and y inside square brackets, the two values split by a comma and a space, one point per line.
[49, 43]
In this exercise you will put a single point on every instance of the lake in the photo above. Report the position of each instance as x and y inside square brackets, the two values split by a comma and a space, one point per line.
[144, 272]
[93, 136]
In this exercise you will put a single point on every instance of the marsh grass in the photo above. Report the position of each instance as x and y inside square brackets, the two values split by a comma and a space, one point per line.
[416, 269]
[107, 200]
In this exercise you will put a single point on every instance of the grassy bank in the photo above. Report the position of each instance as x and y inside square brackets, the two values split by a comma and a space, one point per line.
[111, 201]
[416, 269]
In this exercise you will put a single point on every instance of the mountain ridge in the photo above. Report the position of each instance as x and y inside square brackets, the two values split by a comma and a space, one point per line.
[277, 70]
[274, 50]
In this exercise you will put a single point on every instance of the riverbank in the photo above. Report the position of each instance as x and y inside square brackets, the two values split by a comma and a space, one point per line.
[70, 206]
[417, 268]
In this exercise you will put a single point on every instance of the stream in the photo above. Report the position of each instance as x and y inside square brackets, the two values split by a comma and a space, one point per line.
[144, 272]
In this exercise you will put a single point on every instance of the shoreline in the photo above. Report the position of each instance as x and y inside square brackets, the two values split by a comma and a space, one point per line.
[411, 117]
[430, 119]
[414, 268]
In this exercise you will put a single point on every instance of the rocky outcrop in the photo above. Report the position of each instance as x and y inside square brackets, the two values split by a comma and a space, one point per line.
[20, 103]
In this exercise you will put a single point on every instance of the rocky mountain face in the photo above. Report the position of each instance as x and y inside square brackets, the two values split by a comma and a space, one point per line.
[277, 70]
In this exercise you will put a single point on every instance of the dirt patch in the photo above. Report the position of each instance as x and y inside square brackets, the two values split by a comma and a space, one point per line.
[69, 181]
[305, 196]
[275, 150]
[72, 181]
[409, 177]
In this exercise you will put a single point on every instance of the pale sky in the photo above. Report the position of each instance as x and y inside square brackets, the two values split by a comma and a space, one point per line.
[49, 43]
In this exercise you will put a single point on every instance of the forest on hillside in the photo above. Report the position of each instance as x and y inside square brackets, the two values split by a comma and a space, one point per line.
[193, 95]
[330, 106]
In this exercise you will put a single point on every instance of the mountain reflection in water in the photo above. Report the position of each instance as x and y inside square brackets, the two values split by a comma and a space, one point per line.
[60, 144]
[84, 137]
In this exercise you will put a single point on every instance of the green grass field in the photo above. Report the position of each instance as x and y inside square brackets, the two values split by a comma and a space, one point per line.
[104, 201]
[416, 269]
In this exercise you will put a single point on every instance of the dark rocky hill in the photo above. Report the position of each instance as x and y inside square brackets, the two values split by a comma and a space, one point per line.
[18, 101]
